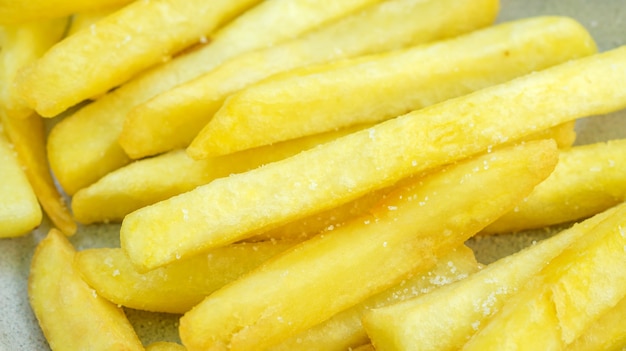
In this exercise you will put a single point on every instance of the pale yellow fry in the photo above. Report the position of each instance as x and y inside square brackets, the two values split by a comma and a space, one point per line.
[187, 108]
[344, 330]
[70, 313]
[21, 45]
[151, 180]
[233, 208]
[531, 325]
[419, 324]
[606, 333]
[165, 346]
[19, 209]
[588, 179]
[578, 286]
[78, 159]
[19, 12]
[367, 255]
[563, 134]
[177, 287]
[29, 141]
[385, 86]
[118, 47]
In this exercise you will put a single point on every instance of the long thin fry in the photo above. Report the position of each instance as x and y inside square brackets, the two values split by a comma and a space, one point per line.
[28, 138]
[588, 179]
[78, 159]
[403, 235]
[407, 22]
[119, 46]
[301, 103]
[19, 209]
[227, 210]
[151, 180]
[21, 45]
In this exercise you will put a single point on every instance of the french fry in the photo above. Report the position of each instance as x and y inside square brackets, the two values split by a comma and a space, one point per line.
[21, 45]
[344, 330]
[78, 159]
[421, 324]
[20, 12]
[151, 180]
[177, 287]
[231, 209]
[28, 138]
[19, 209]
[588, 179]
[118, 47]
[606, 333]
[577, 287]
[165, 346]
[385, 247]
[187, 108]
[302, 103]
[70, 313]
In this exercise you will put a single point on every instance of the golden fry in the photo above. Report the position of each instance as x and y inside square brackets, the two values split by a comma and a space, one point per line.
[70, 313]
[468, 303]
[19, 209]
[177, 287]
[299, 103]
[344, 330]
[187, 108]
[581, 284]
[120, 46]
[28, 138]
[227, 210]
[367, 255]
[21, 45]
[588, 179]
[606, 333]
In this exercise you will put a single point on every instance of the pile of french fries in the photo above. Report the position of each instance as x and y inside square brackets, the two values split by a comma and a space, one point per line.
[304, 174]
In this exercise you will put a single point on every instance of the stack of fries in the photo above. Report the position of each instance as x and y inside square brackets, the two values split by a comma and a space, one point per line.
[304, 174]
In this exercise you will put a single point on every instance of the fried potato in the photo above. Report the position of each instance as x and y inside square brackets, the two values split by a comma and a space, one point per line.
[78, 159]
[385, 86]
[420, 324]
[344, 330]
[367, 255]
[187, 108]
[21, 45]
[28, 138]
[19, 209]
[581, 284]
[165, 346]
[177, 287]
[20, 12]
[70, 313]
[606, 333]
[118, 47]
[588, 179]
[231, 209]
[151, 180]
